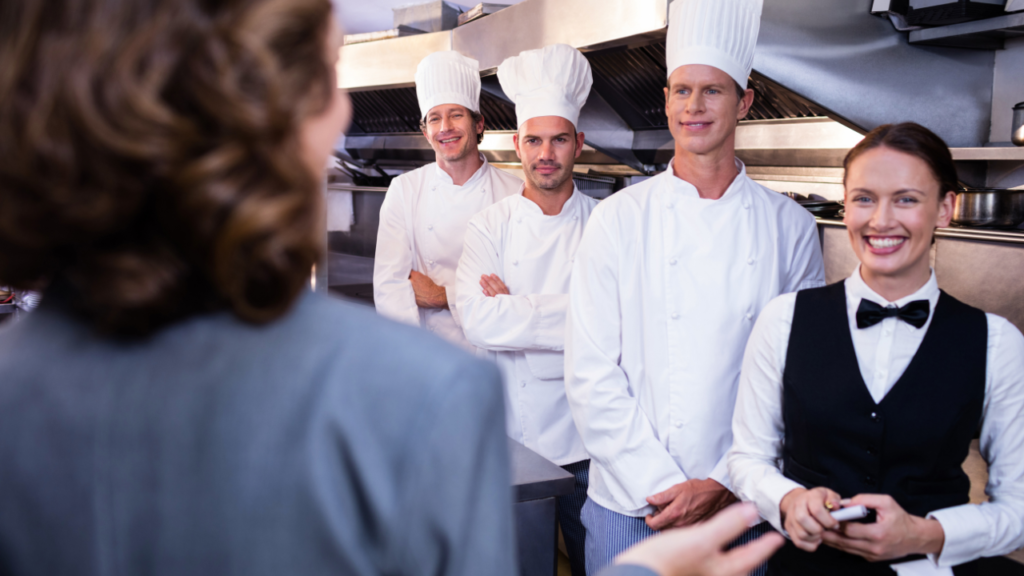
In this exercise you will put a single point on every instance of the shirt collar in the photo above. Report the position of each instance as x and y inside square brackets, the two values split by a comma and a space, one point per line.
[856, 289]
[531, 208]
[690, 191]
[444, 178]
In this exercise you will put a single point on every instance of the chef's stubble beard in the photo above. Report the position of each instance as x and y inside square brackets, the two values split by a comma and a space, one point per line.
[551, 183]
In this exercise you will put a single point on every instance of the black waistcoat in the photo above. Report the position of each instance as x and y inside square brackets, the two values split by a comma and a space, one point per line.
[910, 446]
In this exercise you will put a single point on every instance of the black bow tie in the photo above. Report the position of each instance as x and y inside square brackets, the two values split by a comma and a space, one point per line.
[870, 313]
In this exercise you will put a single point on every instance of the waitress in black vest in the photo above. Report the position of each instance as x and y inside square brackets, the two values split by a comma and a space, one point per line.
[869, 391]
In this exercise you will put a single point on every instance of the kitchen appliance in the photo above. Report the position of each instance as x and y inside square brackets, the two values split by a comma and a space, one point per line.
[989, 207]
[946, 12]
[1018, 124]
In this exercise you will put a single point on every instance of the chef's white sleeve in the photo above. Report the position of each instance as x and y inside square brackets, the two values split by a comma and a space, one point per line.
[615, 431]
[807, 267]
[504, 322]
[995, 527]
[392, 290]
[757, 426]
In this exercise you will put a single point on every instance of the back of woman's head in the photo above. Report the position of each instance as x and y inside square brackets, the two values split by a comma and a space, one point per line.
[149, 154]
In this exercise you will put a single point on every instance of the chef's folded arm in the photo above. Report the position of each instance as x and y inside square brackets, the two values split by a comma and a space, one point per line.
[392, 291]
[506, 322]
[614, 429]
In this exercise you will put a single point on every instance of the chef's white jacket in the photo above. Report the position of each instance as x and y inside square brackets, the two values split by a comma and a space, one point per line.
[665, 290]
[883, 353]
[524, 331]
[422, 223]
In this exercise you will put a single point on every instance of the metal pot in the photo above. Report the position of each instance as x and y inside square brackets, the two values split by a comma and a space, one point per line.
[994, 207]
[1018, 125]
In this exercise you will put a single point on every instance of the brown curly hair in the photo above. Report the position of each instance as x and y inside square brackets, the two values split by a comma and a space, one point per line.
[150, 158]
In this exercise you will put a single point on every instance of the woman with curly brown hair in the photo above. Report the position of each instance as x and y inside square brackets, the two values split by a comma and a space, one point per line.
[181, 403]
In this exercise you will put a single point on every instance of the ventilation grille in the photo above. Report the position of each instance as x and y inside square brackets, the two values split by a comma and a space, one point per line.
[632, 79]
[397, 110]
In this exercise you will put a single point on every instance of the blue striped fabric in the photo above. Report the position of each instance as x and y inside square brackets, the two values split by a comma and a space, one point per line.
[569, 508]
[610, 533]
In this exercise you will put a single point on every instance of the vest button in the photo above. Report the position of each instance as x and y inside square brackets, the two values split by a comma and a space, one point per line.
[870, 452]
[875, 417]
[869, 479]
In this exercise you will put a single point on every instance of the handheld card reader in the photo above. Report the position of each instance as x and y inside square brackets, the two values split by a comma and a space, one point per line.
[853, 513]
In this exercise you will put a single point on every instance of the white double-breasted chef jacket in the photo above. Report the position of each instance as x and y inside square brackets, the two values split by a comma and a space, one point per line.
[664, 293]
[422, 223]
[524, 331]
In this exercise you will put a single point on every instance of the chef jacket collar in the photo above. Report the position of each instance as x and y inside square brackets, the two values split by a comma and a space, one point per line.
[445, 179]
[856, 289]
[532, 209]
[688, 190]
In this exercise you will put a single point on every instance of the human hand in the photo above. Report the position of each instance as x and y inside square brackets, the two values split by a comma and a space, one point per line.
[687, 503]
[699, 550]
[428, 294]
[492, 285]
[894, 534]
[806, 515]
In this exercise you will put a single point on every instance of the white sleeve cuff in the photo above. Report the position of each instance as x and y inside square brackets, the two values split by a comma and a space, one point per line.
[966, 534]
[770, 492]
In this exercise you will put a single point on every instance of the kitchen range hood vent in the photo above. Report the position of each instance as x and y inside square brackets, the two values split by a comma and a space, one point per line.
[629, 79]
[396, 110]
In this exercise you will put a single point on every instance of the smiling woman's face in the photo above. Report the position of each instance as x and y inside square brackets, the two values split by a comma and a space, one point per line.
[893, 205]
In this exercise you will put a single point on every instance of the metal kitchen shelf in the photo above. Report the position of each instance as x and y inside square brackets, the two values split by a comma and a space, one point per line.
[987, 34]
[980, 234]
[1011, 153]
[7, 308]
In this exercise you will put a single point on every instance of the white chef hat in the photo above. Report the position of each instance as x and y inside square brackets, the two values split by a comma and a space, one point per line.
[719, 33]
[551, 81]
[447, 77]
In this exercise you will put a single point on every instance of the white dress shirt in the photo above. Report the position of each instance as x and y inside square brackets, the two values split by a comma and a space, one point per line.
[665, 290]
[422, 223]
[883, 353]
[524, 332]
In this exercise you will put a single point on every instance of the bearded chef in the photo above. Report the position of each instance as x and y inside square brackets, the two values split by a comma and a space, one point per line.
[668, 280]
[513, 278]
[424, 214]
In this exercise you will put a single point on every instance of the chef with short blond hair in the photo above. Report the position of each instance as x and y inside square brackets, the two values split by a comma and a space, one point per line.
[668, 280]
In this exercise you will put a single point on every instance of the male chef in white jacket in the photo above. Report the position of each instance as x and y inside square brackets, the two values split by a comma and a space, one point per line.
[425, 212]
[513, 279]
[667, 283]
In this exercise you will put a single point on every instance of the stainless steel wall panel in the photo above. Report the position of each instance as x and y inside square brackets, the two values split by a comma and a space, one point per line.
[986, 275]
[387, 63]
[537, 23]
[835, 53]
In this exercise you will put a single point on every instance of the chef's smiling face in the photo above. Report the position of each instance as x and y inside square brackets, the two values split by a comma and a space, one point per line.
[893, 205]
[451, 131]
[703, 108]
[548, 147]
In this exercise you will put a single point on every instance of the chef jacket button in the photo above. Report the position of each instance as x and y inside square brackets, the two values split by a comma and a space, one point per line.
[519, 220]
[750, 261]
[430, 226]
[746, 205]
[670, 206]
[750, 316]
[679, 424]
[675, 315]
[515, 262]
[672, 262]
[575, 217]
[522, 383]
[431, 262]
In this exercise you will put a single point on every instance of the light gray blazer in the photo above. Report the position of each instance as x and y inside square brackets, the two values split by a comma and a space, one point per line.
[328, 442]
